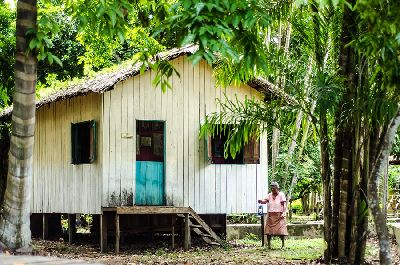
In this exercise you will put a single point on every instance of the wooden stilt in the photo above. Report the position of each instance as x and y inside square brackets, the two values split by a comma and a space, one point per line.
[187, 241]
[71, 227]
[103, 232]
[117, 234]
[45, 227]
[173, 231]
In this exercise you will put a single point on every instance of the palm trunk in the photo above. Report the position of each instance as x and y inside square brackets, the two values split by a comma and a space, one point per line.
[293, 142]
[15, 221]
[281, 82]
[344, 192]
[378, 168]
[336, 182]
[354, 216]
[325, 174]
[348, 70]
[275, 148]
[363, 224]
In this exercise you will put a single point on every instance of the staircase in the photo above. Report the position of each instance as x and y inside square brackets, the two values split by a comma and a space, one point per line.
[195, 223]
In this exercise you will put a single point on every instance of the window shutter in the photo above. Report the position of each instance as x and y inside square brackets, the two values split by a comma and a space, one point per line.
[93, 140]
[74, 143]
[251, 152]
[208, 147]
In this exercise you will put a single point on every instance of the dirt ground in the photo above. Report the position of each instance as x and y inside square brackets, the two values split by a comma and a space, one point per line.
[296, 251]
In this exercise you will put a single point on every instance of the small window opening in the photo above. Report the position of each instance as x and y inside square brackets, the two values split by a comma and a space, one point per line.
[83, 140]
[250, 153]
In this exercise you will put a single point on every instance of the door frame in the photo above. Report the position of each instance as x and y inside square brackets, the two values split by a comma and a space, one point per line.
[164, 201]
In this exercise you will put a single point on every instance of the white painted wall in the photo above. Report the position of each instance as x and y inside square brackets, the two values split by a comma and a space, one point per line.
[58, 186]
[190, 180]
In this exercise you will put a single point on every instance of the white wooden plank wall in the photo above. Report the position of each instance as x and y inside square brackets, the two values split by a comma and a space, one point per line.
[59, 186]
[190, 181]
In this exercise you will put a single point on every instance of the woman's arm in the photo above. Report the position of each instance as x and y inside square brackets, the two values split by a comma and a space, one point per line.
[283, 203]
[263, 201]
[283, 207]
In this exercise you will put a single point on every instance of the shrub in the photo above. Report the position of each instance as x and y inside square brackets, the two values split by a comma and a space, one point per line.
[297, 207]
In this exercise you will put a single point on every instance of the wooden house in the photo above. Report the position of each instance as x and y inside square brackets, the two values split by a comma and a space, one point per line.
[115, 142]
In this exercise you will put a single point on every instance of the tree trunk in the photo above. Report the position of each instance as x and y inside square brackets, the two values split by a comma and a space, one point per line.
[15, 221]
[325, 174]
[299, 119]
[378, 168]
[275, 149]
[336, 182]
[355, 217]
[345, 173]
[363, 224]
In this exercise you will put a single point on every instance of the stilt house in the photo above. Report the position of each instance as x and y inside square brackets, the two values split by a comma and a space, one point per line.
[115, 144]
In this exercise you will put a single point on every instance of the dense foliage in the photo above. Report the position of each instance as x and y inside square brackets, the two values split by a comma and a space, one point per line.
[7, 53]
[340, 71]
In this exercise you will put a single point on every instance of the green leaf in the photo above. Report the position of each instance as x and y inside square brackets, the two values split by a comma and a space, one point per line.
[50, 58]
[32, 44]
[348, 5]
[236, 21]
[100, 11]
[196, 58]
[57, 60]
[121, 36]
[113, 17]
[199, 7]
[188, 39]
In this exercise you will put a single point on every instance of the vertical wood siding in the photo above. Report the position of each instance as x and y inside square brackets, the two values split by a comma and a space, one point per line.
[190, 180]
[59, 186]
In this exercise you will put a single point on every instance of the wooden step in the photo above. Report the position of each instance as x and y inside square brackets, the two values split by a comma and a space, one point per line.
[196, 226]
[209, 241]
[200, 233]
[205, 227]
[205, 235]
[183, 216]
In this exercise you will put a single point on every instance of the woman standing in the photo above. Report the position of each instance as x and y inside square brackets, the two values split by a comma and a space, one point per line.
[275, 224]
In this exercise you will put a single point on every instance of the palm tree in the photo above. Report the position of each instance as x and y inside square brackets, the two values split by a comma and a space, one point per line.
[357, 111]
[15, 220]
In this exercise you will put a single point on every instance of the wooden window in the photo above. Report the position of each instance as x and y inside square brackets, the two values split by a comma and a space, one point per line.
[250, 154]
[150, 141]
[83, 141]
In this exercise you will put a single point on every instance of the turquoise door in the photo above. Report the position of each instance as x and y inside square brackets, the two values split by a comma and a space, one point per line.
[149, 183]
[150, 163]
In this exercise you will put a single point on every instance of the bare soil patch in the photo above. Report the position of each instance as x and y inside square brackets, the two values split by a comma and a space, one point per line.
[297, 251]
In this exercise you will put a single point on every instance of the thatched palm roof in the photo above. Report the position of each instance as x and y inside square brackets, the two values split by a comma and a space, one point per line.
[105, 82]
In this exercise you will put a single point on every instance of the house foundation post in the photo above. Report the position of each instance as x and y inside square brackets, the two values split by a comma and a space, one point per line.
[173, 230]
[71, 227]
[103, 232]
[45, 226]
[187, 241]
[117, 234]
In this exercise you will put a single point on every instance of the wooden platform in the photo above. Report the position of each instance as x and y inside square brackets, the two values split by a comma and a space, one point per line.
[192, 221]
[147, 210]
[38, 260]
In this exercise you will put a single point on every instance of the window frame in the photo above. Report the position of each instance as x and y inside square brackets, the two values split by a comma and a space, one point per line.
[250, 154]
[76, 140]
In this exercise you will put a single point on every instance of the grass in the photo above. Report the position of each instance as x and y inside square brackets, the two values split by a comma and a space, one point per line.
[245, 251]
[295, 248]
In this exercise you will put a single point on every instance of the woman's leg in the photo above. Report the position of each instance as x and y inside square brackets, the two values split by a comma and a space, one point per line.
[269, 241]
